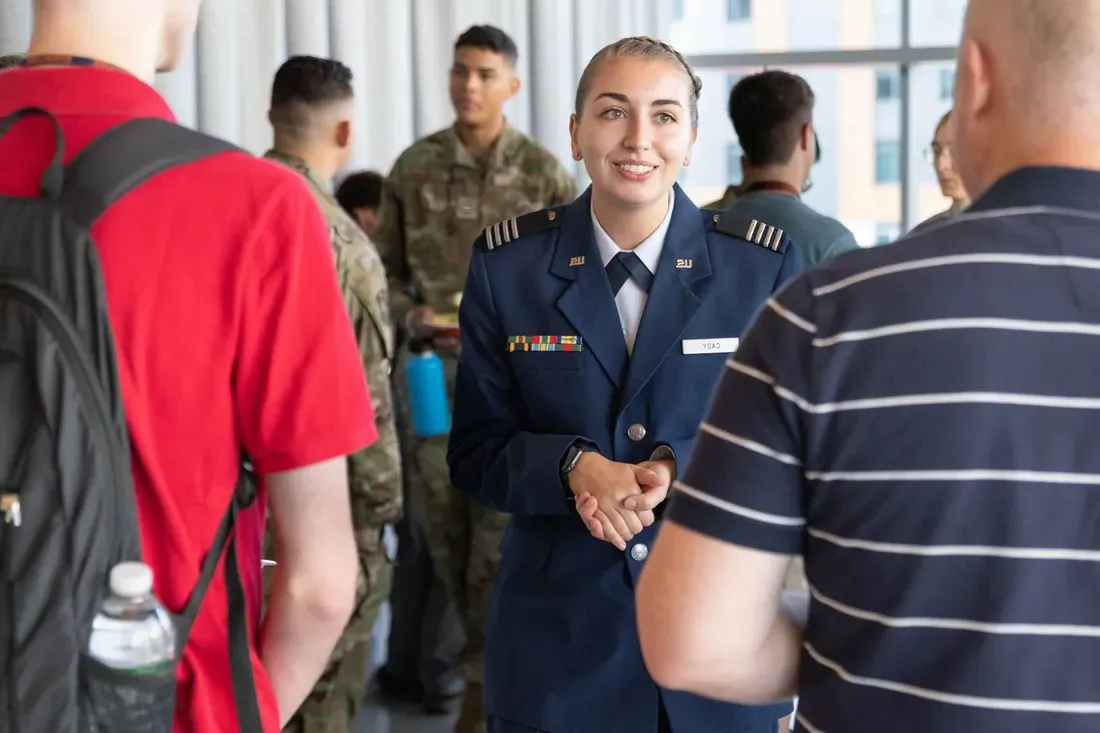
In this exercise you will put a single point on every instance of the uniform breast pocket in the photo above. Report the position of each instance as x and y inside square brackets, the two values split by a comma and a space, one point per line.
[434, 198]
[553, 361]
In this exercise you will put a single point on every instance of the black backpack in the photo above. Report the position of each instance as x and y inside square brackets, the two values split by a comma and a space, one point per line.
[66, 495]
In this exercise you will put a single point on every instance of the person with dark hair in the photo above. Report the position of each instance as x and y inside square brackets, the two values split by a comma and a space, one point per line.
[360, 195]
[442, 192]
[312, 111]
[10, 60]
[489, 38]
[772, 114]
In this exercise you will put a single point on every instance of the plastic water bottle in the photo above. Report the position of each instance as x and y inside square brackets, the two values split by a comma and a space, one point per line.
[132, 631]
[431, 411]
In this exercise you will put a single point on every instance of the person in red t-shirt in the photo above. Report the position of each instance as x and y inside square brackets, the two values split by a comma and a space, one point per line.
[231, 335]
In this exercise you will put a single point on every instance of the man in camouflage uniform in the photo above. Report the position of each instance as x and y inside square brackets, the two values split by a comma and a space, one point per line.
[442, 192]
[311, 111]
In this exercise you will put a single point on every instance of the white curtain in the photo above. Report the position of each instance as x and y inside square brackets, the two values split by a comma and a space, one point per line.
[399, 51]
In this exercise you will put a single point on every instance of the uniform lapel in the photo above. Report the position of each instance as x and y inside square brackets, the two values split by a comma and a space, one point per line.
[587, 302]
[675, 297]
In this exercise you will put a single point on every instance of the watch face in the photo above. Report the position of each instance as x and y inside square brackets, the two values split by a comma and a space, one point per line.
[574, 457]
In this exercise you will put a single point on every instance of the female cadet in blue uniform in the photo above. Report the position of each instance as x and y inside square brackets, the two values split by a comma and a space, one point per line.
[592, 335]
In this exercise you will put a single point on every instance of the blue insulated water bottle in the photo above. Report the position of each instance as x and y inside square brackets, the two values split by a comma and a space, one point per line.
[431, 413]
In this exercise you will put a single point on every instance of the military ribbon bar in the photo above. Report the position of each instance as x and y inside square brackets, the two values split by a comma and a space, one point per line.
[545, 343]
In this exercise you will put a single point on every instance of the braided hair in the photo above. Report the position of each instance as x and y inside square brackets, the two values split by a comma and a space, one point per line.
[640, 47]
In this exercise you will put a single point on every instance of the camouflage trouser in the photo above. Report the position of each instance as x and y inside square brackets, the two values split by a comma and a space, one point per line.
[335, 700]
[464, 542]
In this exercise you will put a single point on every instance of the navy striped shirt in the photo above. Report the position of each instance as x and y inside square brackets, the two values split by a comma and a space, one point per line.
[922, 422]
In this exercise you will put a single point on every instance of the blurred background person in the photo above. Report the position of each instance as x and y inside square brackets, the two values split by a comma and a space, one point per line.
[772, 114]
[360, 194]
[941, 156]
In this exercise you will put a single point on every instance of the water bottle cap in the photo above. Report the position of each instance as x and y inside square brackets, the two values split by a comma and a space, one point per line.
[131, 579]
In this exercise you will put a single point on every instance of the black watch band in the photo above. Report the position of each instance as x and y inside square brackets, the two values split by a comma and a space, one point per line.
[573, 456]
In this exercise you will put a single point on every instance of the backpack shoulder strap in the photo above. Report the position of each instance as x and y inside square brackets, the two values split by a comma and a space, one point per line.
[126, 156]
[249, 719]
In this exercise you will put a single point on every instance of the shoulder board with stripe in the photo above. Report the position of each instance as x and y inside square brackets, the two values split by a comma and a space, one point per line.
[509, 230]
[754, 230]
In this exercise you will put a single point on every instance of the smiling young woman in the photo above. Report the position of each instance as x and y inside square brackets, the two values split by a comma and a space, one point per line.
[592, 334]
[634, 125]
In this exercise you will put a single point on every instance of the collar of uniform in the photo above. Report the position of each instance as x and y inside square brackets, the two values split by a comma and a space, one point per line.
[81, 90]
[302, 167]
[1066, 188]
[498, 153]
[649, 251]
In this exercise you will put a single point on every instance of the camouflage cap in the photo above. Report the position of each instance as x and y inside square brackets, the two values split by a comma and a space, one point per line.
[13, 59]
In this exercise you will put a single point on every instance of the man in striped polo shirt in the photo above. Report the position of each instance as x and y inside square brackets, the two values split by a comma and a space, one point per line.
[923, 423]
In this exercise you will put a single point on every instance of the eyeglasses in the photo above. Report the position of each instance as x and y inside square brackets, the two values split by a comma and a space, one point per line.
[936, 151]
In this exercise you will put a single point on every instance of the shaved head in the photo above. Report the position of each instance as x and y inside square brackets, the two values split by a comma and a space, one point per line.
[1028, 87]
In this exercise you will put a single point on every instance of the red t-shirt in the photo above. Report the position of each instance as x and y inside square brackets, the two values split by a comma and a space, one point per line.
[230, 331]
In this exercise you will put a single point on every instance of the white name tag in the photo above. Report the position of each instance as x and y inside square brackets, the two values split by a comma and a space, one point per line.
[710, 346]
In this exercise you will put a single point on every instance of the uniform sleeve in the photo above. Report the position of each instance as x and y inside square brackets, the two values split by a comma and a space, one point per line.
[374, 473]
[491, 457]
[788, 268]
[390, 240]
[744, 484]
[300, 392]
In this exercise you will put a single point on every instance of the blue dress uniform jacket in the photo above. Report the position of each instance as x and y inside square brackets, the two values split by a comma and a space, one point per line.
[562, 651]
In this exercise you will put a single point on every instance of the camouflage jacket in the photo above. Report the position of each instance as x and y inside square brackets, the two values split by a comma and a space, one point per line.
[438, 199]
[732, 194]
[374, 473]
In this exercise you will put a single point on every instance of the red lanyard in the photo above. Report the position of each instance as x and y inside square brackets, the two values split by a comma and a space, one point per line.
[778, 186]
[61, 60]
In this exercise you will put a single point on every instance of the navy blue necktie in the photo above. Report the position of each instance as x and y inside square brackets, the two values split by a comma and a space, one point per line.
[625, 266]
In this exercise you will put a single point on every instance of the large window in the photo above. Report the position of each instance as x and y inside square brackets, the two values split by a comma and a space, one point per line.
[879, 96]
[747, 26]
[934, 22]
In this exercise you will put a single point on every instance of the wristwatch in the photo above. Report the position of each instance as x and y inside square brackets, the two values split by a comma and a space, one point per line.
[573, 456]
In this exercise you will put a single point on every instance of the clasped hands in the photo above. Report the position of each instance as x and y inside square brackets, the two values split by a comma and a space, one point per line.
[616, 500]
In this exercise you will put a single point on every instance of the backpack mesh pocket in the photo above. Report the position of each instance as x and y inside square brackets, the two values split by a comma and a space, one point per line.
[120, 701]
